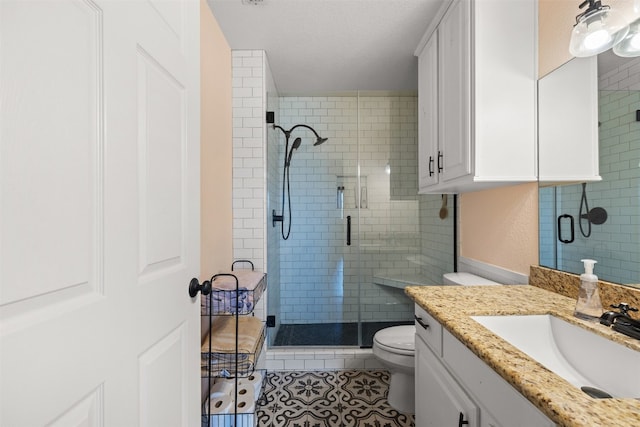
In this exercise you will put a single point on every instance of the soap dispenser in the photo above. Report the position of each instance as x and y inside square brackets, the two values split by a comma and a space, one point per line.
[589, 306]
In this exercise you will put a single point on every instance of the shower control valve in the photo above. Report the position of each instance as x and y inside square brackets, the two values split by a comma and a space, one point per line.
[276, 218]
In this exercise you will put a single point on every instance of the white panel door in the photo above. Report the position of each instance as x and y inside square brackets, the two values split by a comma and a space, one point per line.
[99, 222]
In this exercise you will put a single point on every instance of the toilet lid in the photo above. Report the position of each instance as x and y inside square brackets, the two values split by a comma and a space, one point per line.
[397, 339]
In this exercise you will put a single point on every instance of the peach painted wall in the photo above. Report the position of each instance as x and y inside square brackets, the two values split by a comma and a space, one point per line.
[555, 22]
[216, 244]
[500, 226]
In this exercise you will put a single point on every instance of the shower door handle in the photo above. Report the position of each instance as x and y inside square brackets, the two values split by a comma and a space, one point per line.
[560, 235]
[349, 230]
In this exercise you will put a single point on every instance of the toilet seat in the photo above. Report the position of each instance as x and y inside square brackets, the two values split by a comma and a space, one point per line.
[396, 339]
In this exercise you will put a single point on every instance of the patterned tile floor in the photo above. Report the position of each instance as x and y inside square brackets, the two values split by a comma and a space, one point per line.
[328, 399]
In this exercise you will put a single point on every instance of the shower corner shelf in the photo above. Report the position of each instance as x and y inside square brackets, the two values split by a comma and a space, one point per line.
[231, 348]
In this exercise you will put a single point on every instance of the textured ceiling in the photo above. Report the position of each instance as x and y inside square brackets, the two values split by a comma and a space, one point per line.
[324, 46]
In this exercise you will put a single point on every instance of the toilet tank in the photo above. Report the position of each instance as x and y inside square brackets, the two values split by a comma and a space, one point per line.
[466, 279]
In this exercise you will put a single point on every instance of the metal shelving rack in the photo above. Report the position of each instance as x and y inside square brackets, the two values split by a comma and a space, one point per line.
[216, 365]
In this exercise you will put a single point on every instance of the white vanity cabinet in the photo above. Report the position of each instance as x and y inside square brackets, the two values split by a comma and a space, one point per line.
[455, 387]
[568, 123]
[442, 402]
[477, 97]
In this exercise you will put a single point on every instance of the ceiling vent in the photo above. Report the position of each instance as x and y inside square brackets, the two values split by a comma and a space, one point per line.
[253, 2]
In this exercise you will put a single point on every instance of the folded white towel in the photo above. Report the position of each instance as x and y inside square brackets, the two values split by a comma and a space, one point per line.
[223, 335]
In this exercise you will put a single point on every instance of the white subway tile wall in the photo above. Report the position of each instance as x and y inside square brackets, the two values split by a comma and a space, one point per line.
[250, 83]
[616, 243]
[249, 187]
[317, 359]
[315, 259]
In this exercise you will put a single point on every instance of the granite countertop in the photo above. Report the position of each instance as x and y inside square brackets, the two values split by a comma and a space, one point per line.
[554, 396]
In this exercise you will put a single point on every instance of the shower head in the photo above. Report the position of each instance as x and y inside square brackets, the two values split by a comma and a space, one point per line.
[320, 141]
[294, 146]
[288, 154]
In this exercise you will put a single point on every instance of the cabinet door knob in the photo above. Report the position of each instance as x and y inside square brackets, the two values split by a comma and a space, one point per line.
[430, 165]
[440, 158]
[195, 287]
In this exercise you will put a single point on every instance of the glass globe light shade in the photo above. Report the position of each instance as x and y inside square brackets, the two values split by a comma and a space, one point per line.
[596, 32]
[630, 45]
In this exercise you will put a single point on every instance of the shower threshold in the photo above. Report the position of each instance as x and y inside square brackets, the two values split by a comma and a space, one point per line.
[330, 334]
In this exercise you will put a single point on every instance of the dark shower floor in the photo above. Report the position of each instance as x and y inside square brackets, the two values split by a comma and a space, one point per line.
[330, 334]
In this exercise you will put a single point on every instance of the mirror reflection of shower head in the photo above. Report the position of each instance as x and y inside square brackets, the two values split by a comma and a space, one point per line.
[596, 216]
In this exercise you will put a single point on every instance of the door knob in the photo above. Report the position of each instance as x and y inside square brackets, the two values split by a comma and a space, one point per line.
[195, 287]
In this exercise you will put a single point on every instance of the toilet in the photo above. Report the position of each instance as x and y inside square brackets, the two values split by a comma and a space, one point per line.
[394, 347]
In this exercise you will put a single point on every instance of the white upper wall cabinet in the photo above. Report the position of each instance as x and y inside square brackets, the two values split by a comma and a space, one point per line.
[486, 97]
[428, 113]
[568, 123]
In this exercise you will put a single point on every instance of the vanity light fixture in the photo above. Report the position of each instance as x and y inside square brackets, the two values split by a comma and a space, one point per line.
[630, 45]
[597, 29]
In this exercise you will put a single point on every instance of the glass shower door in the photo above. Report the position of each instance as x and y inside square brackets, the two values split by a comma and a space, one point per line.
[359, 230]
[318, 298]
[389, 227]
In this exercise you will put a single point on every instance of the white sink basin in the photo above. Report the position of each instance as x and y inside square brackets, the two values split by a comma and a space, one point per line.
[581, 357]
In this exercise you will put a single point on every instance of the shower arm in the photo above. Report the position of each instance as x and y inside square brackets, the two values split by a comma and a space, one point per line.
[287, 133]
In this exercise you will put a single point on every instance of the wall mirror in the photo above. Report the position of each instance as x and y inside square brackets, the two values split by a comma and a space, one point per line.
[601, 220]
